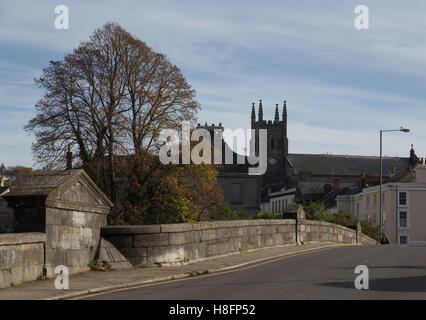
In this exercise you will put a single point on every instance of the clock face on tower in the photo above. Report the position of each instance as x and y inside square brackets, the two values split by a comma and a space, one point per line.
[272, 161]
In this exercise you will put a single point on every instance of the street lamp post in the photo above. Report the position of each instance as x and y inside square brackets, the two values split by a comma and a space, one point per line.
[381, 175]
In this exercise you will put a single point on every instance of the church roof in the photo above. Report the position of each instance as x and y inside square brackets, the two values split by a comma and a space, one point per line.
[344, 165]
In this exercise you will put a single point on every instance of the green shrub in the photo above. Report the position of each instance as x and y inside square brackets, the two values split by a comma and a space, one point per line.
[268, 215]
[227, 213]
[317, 211]
[371, 229]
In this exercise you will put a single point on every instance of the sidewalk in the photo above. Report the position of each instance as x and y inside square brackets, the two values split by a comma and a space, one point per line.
[95, 282]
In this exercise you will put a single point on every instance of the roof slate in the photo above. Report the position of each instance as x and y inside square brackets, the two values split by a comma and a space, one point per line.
[42, 183]
[344, 164]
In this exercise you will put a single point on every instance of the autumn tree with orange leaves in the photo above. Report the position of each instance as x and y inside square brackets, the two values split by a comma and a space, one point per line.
[108, 100]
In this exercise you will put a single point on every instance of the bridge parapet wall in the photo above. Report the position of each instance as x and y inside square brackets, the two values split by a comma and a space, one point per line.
[176, 244]
[312, 231]
[21, 257]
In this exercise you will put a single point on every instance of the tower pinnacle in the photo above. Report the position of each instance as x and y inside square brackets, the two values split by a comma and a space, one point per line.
[284, 116]
[260, 110]
[277, 117]
[253, 113]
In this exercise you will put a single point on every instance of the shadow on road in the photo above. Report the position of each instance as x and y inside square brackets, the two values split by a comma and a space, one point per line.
[402, 284]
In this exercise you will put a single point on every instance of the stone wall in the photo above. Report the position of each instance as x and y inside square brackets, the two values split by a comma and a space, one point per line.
[312, 231]
[176, 244]
[189, 242]
[69, 208]
[73, 238]
[365, 240]
[21, 257]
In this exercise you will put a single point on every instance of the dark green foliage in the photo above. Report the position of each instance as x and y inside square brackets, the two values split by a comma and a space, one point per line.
[268, 215]
[369, 228]
[317, 211]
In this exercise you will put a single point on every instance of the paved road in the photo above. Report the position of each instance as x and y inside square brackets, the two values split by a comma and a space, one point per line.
[396, 272]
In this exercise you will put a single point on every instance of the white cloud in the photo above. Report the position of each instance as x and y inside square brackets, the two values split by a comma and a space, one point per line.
[338, 81]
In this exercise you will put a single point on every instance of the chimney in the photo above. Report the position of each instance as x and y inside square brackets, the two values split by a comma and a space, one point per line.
[1, 181]
[69, 158]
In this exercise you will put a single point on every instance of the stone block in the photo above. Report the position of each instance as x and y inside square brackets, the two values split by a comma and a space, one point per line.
[119, 230]
[5, 277]
[165, 254]
[195, 251]
[78, 258]
[134, 252]
[31, 273]
[177, 238]
[121, 241]
[104, 255]
[202, 225]
[253, 230]
[176, 227]
[32, 254]
[154, 239]
[138, 260]
[56, 256]
[213, 248]
[87, 238]
[223, 233]
[18, 238]
[209, 234]
[17, 275]
[116, 255]
[10, 256]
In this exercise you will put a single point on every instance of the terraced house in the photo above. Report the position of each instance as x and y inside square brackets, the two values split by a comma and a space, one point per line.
[403, 206]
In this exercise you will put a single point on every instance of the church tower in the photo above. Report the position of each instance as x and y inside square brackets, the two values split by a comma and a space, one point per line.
[277, 142]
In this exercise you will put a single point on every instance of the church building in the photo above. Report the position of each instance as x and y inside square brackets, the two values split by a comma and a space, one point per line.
[316, 177]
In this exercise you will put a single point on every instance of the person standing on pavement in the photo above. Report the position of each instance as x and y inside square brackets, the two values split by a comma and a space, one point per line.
[384, 239]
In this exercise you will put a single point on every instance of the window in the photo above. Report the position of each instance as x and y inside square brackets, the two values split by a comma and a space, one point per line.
[403, 198]
[285, 203]
[368, 202]
[403, 239]
[279, 205]
[403, 219]
[375, 200]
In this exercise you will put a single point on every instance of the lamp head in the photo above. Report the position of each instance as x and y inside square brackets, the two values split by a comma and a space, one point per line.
[404, 129]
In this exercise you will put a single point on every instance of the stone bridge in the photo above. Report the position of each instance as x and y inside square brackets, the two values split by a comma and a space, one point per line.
[60, 217]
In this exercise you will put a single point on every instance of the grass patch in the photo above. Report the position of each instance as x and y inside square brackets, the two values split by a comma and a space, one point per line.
[197, 273]
[99, 266]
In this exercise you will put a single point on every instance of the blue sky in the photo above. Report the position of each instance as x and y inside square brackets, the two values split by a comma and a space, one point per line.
[342, 85]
